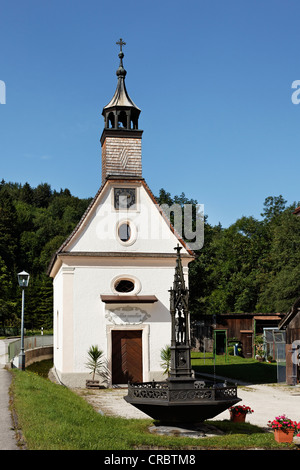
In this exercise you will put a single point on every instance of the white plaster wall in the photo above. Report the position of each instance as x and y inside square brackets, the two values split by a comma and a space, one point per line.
[92, 316]
[93, 320]
[152, 232]
[83, 319]
[89, 323]
[63, 330]
[57, 320]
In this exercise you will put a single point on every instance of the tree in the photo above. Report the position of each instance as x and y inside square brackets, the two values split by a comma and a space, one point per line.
[253, 265]
[273, 207]
[201, 279]
[8, 235]
[233, 268]
[282, 286]
[42, 195]
[7, 305]
[34, 222]
[27, 194]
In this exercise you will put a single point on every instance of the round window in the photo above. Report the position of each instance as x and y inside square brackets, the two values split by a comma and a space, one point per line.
[124, 232]
[124, 285]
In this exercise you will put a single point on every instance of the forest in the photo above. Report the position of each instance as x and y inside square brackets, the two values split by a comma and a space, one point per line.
[251, 266]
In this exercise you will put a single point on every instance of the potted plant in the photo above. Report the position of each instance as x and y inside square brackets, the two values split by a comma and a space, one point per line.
[165, 355]
[284, 428]
[238, 413]
[95, 363]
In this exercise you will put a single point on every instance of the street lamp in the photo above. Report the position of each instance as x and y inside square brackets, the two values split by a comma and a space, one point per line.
[23, 279]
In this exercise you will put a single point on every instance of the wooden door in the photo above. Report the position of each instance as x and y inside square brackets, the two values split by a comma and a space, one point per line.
[247, 340]
[127, 356]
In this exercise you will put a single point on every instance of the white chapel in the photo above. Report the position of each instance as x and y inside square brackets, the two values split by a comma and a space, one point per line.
[112, 275]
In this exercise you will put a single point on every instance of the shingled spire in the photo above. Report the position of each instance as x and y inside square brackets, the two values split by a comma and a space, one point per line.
[121, 112]
[121, 138]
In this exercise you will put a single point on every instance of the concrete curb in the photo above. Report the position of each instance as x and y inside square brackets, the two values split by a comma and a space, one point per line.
[8, 439]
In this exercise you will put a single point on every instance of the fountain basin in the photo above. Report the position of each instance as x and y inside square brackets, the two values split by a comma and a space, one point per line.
[181, 402]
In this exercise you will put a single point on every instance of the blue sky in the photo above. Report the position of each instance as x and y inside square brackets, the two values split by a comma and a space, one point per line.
[213, 79]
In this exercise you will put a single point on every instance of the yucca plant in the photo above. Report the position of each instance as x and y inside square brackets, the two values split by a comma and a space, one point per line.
[95, 361]
[165, 355]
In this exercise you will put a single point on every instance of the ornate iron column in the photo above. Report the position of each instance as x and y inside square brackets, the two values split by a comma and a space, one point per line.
[181, 398]
[180, 321]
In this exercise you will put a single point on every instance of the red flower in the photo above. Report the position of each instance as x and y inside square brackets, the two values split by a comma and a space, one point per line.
[282, 422]
[241, 409]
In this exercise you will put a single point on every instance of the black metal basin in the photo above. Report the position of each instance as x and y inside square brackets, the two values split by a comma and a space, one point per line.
[193, 404]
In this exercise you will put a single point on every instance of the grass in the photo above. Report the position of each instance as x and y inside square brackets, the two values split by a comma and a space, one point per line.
[52, 417]
[236, 367]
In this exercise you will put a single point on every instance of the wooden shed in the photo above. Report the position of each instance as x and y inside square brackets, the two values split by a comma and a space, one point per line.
[291, 324]
[219, 330]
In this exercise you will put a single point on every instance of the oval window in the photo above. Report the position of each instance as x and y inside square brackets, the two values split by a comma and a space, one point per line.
[124, 285]
[124, 232]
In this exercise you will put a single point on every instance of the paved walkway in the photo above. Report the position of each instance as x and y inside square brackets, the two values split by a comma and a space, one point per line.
[7, 435]
[267, 401]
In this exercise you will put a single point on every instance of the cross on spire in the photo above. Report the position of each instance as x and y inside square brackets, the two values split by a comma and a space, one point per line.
[121, 43]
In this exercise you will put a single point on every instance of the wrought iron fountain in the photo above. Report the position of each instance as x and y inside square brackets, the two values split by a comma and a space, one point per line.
[181, 398]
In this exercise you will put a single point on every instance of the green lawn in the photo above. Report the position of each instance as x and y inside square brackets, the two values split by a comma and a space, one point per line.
[236, 368]
[53, 417]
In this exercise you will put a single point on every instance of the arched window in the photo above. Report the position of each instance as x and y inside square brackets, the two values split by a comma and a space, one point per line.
[122, 119]
[134, 123]
[111, 120]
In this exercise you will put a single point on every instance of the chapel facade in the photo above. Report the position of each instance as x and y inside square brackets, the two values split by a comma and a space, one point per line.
[112, 275]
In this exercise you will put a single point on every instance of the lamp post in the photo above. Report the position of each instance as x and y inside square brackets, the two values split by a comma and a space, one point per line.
[23, 279]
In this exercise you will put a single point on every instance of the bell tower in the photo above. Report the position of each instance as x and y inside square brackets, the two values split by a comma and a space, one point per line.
[121, 138]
